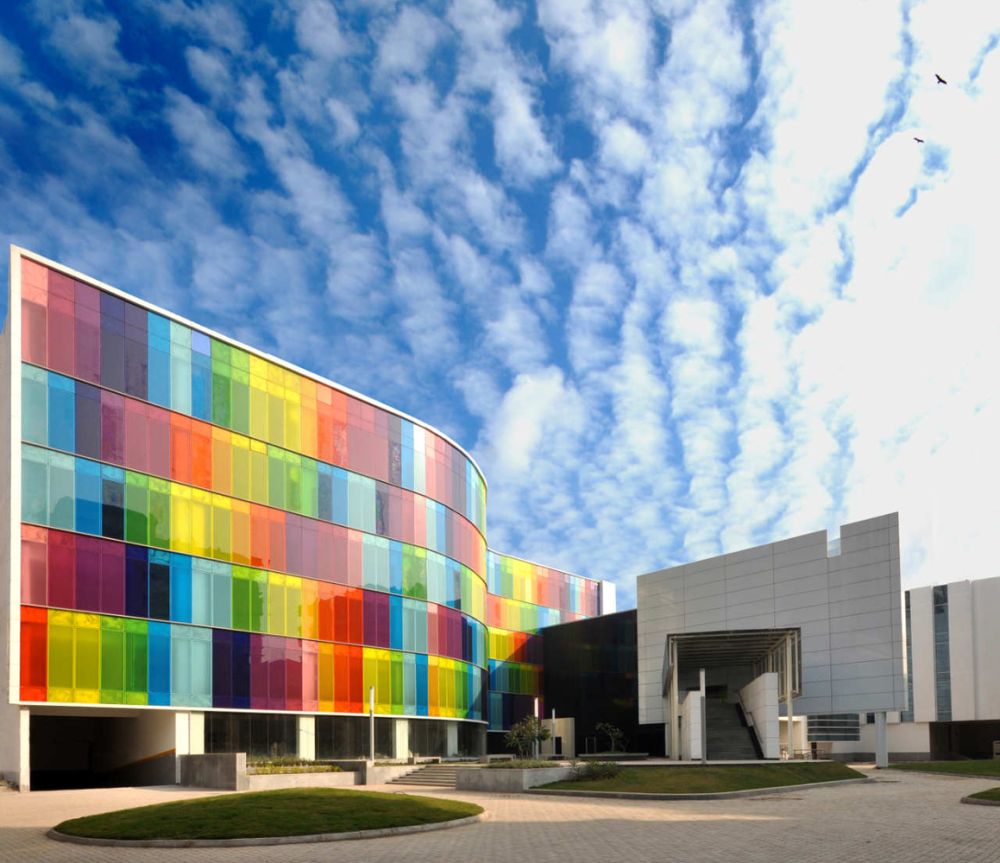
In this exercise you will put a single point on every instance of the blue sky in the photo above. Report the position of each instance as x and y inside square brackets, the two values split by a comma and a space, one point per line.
[676, 273]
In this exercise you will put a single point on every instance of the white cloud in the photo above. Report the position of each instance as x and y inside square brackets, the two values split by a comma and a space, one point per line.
[408, 43]
[208, 143]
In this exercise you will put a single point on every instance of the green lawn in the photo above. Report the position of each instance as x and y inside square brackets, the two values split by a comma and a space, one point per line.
[292, 812]
[991, 794]
[978, 767]
[698, 780]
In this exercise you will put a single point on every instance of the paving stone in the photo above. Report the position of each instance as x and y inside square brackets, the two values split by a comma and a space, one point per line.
[903, 818]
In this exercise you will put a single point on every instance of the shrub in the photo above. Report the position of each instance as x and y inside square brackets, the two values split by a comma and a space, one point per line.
[524, 734]
[596, 770]
[520, 764]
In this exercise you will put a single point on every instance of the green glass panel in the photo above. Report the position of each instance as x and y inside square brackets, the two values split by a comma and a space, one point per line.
[60, 654]
[275, 478]
[258, 600]
[34, 485]
[240, 401]
[34, 405]
[159, 513]
[310, 488]
[221, 397]
[112, 660]
[136, 661]
[293, 482]
[136, 508]
[241, 597]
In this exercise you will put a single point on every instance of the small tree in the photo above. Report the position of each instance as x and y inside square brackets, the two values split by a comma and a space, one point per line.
[613, 733]
[523, 736]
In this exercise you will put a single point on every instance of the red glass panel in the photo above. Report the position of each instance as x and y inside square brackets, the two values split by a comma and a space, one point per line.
[112, 428]
[180, 448]
[34, 564]
[136, 436]
[258, 673]
[61, 334]
[34, 653]
[112, 578]
[293, 674]
[201, 454]
[158, 429]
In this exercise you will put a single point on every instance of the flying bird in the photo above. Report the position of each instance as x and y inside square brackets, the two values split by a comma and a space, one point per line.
[940, 80]
[919, 140]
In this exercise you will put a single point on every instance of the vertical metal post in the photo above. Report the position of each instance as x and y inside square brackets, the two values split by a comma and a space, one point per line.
[371, 724]
[704, 716]
[881, 740]
[675, 719]
[788, 695]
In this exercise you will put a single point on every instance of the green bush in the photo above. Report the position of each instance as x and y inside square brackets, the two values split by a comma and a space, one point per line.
[596, 770]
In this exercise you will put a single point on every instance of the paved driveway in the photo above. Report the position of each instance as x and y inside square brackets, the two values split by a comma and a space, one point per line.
[903, 817]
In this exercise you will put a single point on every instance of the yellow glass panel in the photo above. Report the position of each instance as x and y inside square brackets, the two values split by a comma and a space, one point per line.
[325, 664]
[87, 658]
[293, 606]
[258, 407]
[222, 461]
[276, 603]
[222, 519]
[240, 455]
[241, 532]
[180, 518]
[383, 685]
[258, 472]
[310, 608]
[201, 523]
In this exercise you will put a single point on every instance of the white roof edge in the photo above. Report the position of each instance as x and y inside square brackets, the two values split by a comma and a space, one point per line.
[537, 563]
[83, 277]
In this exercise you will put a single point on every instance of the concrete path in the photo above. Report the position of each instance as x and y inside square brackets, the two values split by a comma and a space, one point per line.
[903, 818]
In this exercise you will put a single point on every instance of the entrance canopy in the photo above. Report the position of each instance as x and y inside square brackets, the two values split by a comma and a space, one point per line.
[761, 649]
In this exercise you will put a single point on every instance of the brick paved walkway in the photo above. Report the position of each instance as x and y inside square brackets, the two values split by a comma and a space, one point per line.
[903, 818]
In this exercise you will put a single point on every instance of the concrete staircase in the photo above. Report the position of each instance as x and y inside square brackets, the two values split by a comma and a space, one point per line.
[728, 738]
[439, 775]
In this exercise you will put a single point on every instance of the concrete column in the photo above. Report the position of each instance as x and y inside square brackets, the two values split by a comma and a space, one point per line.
[881, 740]
[196, 734]
[182, 741]
[675, 714]
[788, 696]
[401, 738]
[452, 749]
[305, 738]
[24, 753]
[704, 716]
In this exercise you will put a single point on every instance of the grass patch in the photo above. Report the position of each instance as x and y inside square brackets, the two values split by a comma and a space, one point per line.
[990, 794]
[291, 812]
[520, 764]
[976, 767]
[701, 780]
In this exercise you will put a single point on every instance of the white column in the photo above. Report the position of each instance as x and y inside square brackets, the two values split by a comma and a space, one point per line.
[452, 749]
[371, 724]
[182, 741]
[881, 740]
[24, 754]
[401, 733]
[675, 718]
[306, 738]
[704, 715]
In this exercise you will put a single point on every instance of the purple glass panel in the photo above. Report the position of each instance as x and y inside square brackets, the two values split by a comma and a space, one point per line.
[136, 351]
[112, 428]
[222, 668]
[88, 421]
[258, 673]
[112, 342]
[310, 566]
[241, 669]
[112, 578]
[62, 570]
[293, 543]
[34, 560]
[88, 573]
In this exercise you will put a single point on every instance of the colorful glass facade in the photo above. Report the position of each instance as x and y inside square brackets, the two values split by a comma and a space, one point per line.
[205, 527]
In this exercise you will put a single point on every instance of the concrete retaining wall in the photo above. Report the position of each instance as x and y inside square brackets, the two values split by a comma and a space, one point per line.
[274, 781]
[226, 770]
[503, 780]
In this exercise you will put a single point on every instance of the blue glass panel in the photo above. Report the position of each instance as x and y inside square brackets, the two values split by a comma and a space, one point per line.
[201, 386]
[395, 567]
[88, 497]
[421, 684]
[324, 477]
[159, 663]
[396, 622]
[62, 413]
[159, 360]
[180, 588]
[159, 584]
[339, 496]
[222, 668]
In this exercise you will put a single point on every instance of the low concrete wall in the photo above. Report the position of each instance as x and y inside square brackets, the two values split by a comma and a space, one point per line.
[226, 770]
[512, 780]
[760, 699]
[274, 781]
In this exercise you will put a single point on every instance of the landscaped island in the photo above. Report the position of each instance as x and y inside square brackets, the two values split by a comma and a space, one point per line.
[708, 780]
[291, 812]
[974, 767]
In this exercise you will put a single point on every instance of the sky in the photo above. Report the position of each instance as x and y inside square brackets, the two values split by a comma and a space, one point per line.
[677, 274]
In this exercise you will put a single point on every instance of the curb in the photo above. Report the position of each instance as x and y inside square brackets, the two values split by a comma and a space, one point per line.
[713, 795]
[972, 801]
[267, 840]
